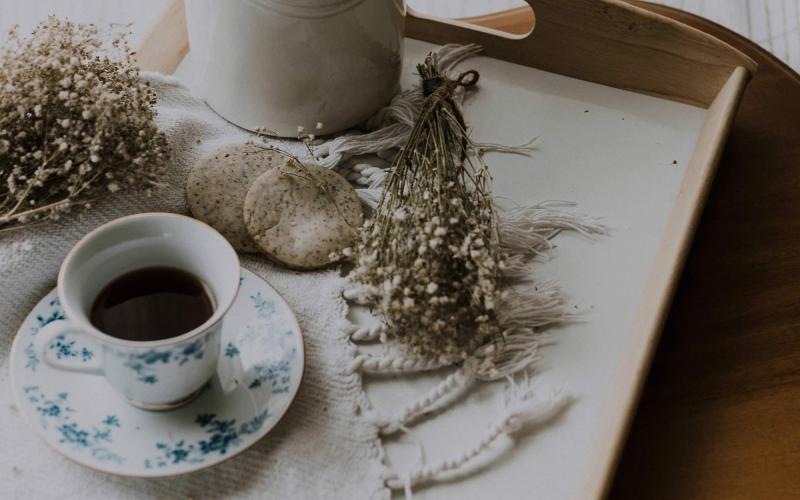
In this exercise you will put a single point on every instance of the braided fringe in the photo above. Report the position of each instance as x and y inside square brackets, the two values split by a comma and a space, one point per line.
[522, 409]
[450, 388]
[366, 333]
[370, 363]
[517, 351]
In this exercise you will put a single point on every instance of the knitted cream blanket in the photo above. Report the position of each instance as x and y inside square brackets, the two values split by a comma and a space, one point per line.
[321, 448]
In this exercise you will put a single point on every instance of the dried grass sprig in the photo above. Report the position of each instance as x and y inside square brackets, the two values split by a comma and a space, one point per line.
[430, 257]
[76, 122]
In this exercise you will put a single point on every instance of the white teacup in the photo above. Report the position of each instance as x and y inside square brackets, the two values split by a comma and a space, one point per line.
[153, 375]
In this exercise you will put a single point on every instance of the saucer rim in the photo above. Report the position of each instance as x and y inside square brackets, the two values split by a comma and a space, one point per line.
[30, 421]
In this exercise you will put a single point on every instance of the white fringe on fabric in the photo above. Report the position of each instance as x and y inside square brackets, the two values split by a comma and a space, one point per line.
[523, 408]
[391, 126]
[528, 231]
[532, 305]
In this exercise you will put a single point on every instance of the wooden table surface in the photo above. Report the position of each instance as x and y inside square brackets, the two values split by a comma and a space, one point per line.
[720, 413]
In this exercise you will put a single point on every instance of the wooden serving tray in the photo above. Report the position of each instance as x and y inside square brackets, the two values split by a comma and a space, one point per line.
[631, 110]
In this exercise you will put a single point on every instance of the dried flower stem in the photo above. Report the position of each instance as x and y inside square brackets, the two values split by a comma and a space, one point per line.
[75, 122]
[430, 256]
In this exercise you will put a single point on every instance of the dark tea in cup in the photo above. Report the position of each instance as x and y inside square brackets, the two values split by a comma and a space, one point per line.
[153, 303]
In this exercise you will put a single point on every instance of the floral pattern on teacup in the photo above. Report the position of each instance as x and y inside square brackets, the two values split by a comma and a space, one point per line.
[145, 364]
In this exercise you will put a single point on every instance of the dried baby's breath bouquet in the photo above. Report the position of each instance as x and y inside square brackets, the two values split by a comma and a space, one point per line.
[430, 257]
[76, 121]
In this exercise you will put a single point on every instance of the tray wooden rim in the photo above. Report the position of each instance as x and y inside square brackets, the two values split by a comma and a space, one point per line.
[648, 49]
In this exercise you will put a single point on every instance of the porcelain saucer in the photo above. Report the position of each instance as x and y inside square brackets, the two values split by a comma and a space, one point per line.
[80, 416]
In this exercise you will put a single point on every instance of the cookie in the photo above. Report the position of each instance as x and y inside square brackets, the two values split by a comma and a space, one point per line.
[218, 183]
[298, 224]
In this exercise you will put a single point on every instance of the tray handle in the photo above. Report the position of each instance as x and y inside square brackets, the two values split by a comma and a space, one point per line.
[604, 41]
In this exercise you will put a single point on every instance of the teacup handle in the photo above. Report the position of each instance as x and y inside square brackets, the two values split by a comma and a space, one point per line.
[52, 346]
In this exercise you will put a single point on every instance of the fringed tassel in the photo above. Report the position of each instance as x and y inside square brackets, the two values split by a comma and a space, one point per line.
[532, 305]
[370, 197]
[344, 147]
[391, 126]
[522, 408]
[528, 231]
[452, 54]
[367, 175]
[492, 147]
[371, 176]
[517, 351]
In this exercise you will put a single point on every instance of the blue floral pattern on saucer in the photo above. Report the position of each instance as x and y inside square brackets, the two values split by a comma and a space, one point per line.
[79, 415]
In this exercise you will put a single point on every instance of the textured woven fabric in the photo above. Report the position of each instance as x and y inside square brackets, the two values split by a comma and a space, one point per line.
[321, 449]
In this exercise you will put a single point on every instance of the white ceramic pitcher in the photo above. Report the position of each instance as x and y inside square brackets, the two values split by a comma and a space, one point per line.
[284, 64]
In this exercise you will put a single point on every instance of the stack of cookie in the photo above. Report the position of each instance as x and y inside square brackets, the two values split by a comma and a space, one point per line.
[262, 200]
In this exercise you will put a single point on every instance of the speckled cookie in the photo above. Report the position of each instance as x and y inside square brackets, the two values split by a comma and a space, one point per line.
[218, 183]
[297, 224]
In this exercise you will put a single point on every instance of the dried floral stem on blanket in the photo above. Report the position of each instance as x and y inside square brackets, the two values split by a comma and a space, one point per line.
[435, 259]
[445, 270]
[75, 122]
[430, 254]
